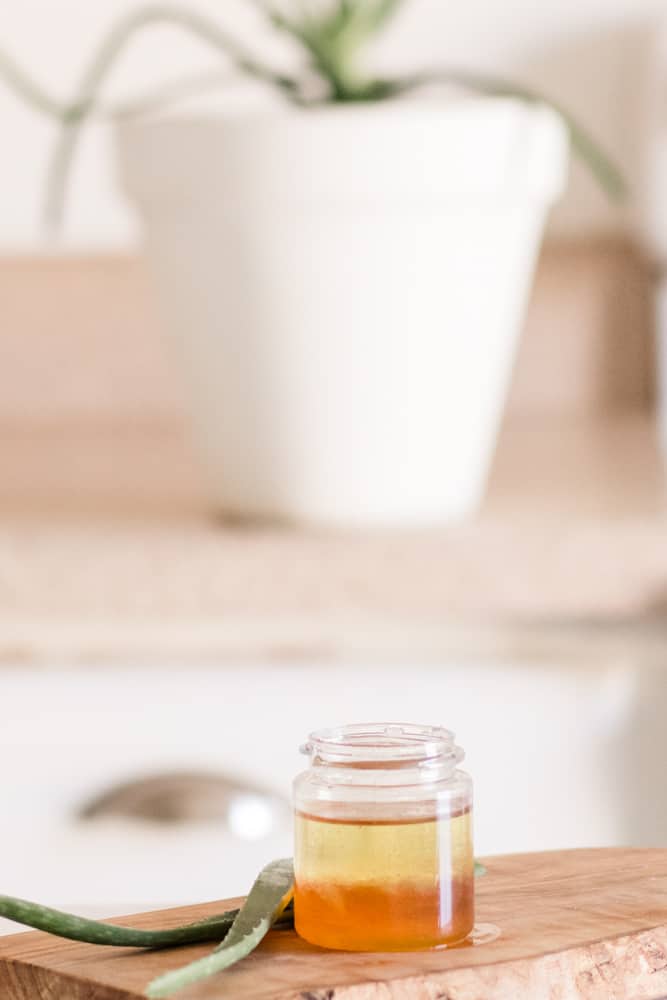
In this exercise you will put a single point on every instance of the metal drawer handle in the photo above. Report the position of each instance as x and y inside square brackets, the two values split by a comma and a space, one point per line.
[193, 797]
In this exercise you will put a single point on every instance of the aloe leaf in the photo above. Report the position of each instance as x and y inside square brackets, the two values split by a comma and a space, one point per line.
[28, 89]
[270, 895]
[373, 15]
[600, 164]
[333, 22]
[67, 925]
[353, 21]
[385, 10]
[332, 39]
[319, 40]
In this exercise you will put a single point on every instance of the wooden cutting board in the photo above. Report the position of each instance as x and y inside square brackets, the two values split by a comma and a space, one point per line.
[573, 924]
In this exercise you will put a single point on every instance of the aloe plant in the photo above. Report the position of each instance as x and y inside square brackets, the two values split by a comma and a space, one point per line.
[331, 39]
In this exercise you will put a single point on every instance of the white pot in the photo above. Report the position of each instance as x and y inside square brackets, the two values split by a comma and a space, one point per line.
[346, 287]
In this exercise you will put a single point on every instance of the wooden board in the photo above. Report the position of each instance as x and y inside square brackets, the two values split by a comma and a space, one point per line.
[573, 924]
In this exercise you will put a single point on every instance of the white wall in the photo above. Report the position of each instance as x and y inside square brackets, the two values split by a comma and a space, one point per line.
[592, 55]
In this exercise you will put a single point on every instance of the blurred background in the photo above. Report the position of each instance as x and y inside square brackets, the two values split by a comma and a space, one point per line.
[323, 414]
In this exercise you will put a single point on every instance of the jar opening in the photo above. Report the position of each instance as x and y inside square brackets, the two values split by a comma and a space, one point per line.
[383, 745]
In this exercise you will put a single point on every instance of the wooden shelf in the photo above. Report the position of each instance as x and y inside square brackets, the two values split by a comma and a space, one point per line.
[108, 552]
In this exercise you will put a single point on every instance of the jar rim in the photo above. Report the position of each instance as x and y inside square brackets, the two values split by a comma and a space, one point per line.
[373, 743]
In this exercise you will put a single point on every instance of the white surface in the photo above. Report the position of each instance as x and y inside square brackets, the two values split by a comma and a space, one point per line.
[345, 290]
[561, 757]
[593, 57]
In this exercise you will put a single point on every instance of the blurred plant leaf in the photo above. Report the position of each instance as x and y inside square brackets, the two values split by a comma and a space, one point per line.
[374, 15]
[320, 39]
[28, 89]
[333, 38]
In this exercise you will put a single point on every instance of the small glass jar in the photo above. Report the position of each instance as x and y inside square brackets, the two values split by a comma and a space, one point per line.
[383, 853]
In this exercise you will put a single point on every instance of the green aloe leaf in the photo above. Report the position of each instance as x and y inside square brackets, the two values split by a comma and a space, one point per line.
[359, 20]
[67, 925]
[270, 895]
[334, 21]
[373, 15]
[28, 89]
[333, 38]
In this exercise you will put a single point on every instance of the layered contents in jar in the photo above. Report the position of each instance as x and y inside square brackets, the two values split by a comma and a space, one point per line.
[382, 883]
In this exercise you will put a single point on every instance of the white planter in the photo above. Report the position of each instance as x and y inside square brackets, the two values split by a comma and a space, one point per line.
[345, 288]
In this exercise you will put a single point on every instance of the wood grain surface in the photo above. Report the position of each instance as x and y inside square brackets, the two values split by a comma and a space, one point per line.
[574, 925]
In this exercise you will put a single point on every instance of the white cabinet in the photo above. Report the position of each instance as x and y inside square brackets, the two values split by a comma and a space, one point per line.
[561, 756]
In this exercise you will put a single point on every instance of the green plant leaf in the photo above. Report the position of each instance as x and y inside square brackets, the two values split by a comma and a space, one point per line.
[333, 38]
[359, 20]
[320, 38]
[66, 925]
[373, 15]
[332, 23]
[28, 89]
[270, 895]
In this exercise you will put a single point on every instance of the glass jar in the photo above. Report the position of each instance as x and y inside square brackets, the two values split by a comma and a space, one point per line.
[383, 853]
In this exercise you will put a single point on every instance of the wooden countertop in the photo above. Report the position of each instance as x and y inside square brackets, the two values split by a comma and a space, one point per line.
[582, 924]
[107, 552]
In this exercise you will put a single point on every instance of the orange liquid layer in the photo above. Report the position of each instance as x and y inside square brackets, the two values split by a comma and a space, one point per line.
[373, 918]
[384, 886]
